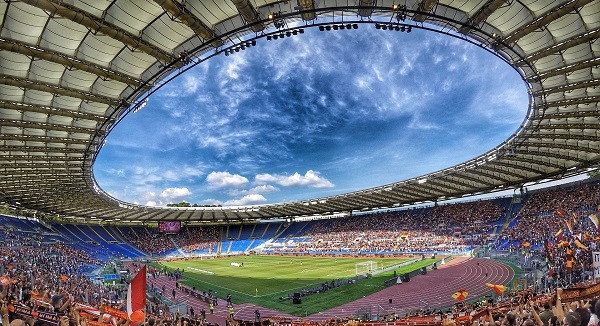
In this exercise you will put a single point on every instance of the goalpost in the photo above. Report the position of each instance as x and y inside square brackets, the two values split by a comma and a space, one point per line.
[366, 267]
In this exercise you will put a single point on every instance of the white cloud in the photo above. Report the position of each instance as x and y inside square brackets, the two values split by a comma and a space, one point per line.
[225, 180]
[151, 203]
[310, 179]
[262, 189]
[246, 200]
[175, 193]
[190, 83]
[265, 178]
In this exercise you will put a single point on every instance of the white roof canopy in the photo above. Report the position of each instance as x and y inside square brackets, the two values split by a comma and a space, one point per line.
[70, 69]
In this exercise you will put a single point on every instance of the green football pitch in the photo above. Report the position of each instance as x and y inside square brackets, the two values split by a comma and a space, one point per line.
[268, 280]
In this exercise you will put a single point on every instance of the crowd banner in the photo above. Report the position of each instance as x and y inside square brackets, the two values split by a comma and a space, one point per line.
[596, 258]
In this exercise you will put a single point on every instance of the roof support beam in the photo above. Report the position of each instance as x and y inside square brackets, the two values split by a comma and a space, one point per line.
[545, 19]
[561, 146]
[49, 110]
[44, 139]
[13, 166]
[47, 126]
[249, 13]
[444, 185]
[307, 5]
[410, 192]
[368, 5]
[570, 126]
[40, 149]
[56, 89]
[549, 154]
[565, 136]
[462, 176]
[486, 174]
[179, 11]
[482, 14]
[490, 168]
[569, 87]
[428, 189]
[587, 63]
[98, 25]
[514, 166]
[567, 115]
[67, 61]
[573, 101]
[561, 46]
[447, 179]
[42, 158]
[424, 6]
[536, 161]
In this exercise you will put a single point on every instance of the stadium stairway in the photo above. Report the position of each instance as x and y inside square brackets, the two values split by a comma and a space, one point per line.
[118, 235]
[176, 246]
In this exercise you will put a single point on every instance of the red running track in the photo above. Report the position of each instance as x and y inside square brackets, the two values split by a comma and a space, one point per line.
[433, 289]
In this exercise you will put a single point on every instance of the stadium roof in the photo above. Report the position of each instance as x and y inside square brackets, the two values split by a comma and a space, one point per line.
[70, 70]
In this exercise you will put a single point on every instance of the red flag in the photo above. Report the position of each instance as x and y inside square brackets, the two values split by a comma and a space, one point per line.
[569, 225]
[560, 212]
[559, 235]
[136, 296]
[498, 288]
[63, 277]
[460, 295]
[526, 244]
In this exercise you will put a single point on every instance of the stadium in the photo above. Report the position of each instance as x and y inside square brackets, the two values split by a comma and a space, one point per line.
[509, 236]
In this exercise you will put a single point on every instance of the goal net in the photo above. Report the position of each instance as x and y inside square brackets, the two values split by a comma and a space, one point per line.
[366, 267]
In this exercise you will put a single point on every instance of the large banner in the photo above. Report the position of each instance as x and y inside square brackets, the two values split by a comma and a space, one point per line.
[27, 312]
[596, 259]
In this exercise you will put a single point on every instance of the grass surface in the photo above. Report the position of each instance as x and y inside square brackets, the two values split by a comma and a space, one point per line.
[275, 277]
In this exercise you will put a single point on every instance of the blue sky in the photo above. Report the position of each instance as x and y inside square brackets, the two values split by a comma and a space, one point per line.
[313, 115]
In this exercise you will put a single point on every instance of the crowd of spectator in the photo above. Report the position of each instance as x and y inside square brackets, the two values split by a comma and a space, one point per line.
[188, 240]
[552, 209]
[49, 270]
[453, 227]
[554, 223]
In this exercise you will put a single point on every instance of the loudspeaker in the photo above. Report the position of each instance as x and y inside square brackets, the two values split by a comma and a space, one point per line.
[296, 295]
[390, 300]
[423, 270]
[296, 300]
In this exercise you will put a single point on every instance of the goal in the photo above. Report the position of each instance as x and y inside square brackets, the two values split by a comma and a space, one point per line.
[366, 267]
